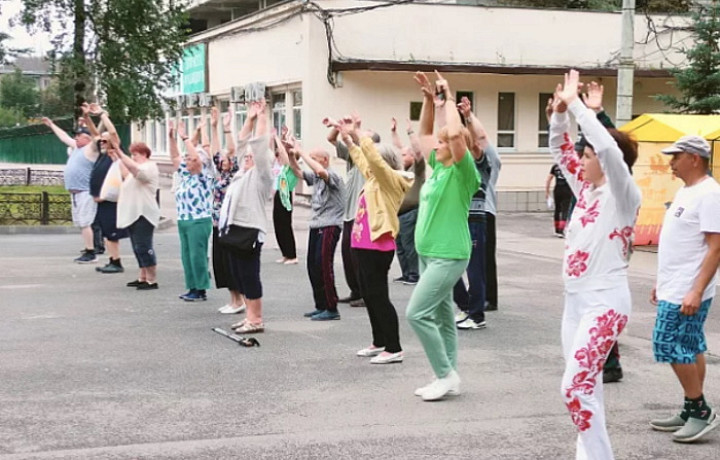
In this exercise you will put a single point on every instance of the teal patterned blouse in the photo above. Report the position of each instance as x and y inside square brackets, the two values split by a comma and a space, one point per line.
[194, 193]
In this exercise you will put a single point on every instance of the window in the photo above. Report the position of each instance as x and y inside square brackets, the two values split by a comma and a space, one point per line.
[297, 113]
[278, 111]
[151, 138]
[543, 125]
[415, 109]
[506, 120]
[162, 136]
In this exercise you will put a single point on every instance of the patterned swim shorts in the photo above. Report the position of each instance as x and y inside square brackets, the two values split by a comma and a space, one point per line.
[677, 338]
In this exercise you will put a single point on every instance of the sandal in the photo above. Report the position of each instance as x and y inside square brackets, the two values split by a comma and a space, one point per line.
[250, 328]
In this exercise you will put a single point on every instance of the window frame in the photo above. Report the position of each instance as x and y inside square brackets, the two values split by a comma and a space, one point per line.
[512, 131]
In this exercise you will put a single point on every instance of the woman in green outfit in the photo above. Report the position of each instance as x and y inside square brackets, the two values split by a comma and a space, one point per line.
[442, 238]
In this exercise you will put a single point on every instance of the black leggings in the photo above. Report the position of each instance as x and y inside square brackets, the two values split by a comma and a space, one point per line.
[562, 195]
[282, 221]
[374, 267]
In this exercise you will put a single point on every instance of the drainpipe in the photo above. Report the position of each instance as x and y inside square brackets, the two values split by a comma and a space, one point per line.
[626, 68]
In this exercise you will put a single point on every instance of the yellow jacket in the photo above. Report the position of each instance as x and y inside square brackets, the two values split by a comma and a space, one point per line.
[384, 188]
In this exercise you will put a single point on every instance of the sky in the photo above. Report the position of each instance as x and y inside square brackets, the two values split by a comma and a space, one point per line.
[39, 43]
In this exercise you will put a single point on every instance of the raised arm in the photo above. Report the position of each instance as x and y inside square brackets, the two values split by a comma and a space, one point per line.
[348, 129]
[227, 131]
[458, 145]
[609, 154]
[281, 151]
[89, 123]
[172, 143]
[214, 138]
[562, 147]
[62, 135]
[333, 134]
[204, 138]
[395, 136]
[314, 165]
[477, 132]
[427, 115]
[292, 160]
[247, 128]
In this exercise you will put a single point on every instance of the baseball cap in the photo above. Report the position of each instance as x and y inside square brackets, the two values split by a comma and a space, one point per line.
[689, 144]
[82, 130]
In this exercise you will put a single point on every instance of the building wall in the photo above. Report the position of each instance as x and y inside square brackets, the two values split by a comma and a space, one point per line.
[294, 55]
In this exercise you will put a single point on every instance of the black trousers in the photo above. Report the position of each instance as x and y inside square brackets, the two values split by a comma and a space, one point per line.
[350, 263]
[320, 256]
[491, 284]
[562, 196]
[374, 268]
[282, 221]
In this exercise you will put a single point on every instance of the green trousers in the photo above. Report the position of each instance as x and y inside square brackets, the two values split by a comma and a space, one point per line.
[430, 311]
[194, 238]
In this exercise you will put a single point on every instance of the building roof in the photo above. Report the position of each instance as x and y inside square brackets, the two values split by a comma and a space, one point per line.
[29, 65]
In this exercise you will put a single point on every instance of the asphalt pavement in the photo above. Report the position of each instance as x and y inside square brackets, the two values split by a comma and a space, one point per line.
[90, 369]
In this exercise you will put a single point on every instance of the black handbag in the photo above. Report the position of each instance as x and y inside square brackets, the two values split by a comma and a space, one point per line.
[241, 241]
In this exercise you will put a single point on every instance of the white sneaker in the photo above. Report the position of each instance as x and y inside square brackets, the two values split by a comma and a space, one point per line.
[232, 310]
[461, 316]
[387, 358]
[470, 323]
[224, 307]
[441, 387]
[421, 390]
[281, 260]
[291, 261]
[370, 351]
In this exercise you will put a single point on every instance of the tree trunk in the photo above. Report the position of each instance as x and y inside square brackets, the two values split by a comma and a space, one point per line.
[78, 56]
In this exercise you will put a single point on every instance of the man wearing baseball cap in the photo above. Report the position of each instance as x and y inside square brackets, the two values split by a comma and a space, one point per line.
[688, 256]
[81, 160]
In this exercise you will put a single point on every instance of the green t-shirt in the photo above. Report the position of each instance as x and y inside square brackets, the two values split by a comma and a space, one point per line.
[442, 224]
[286, 182]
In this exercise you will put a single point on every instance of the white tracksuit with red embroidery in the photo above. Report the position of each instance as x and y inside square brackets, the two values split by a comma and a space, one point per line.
[597, 297]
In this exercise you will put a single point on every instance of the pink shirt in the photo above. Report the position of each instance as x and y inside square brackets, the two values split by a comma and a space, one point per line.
[361, 232]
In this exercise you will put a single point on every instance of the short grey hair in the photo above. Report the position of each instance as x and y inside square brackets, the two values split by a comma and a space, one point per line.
[388, 153]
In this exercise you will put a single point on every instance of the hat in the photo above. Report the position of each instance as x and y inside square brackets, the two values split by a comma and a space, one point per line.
[689, 144]
[580, 144]
[82, 130]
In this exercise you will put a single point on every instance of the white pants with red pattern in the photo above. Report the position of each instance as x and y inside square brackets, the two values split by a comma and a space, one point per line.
[592, 321]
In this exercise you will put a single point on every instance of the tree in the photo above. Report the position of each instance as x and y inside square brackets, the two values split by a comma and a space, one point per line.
[10, 117]
[20, 93]
[699, 82]
[127, 47]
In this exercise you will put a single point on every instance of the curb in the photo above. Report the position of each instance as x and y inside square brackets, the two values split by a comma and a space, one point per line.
[165, 223]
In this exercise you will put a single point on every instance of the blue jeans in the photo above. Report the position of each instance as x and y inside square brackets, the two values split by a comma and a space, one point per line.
[405, 242]
[472, 299]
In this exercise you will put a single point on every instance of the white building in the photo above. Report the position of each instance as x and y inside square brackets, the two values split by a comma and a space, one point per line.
[343, 56]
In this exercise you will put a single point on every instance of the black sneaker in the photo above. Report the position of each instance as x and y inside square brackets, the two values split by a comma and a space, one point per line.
[193, 296]
[147, 286]
[110, 268]
[135, 283]
[410, 281]
[88, 257]
[400, 279]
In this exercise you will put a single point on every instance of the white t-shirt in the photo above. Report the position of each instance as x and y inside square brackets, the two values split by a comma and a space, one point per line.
[695, 211]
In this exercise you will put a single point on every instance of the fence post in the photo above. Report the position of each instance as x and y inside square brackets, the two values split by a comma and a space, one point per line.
[45, 209]
[27, 176]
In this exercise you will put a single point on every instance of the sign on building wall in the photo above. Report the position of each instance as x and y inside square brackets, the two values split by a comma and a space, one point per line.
[193, 69]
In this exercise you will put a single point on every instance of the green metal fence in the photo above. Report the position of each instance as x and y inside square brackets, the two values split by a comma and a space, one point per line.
[36, 144]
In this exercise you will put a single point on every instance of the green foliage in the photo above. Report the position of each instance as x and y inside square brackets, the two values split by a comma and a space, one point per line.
[11, 117]
[20, 93]
[699, 82]
[134, 45]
